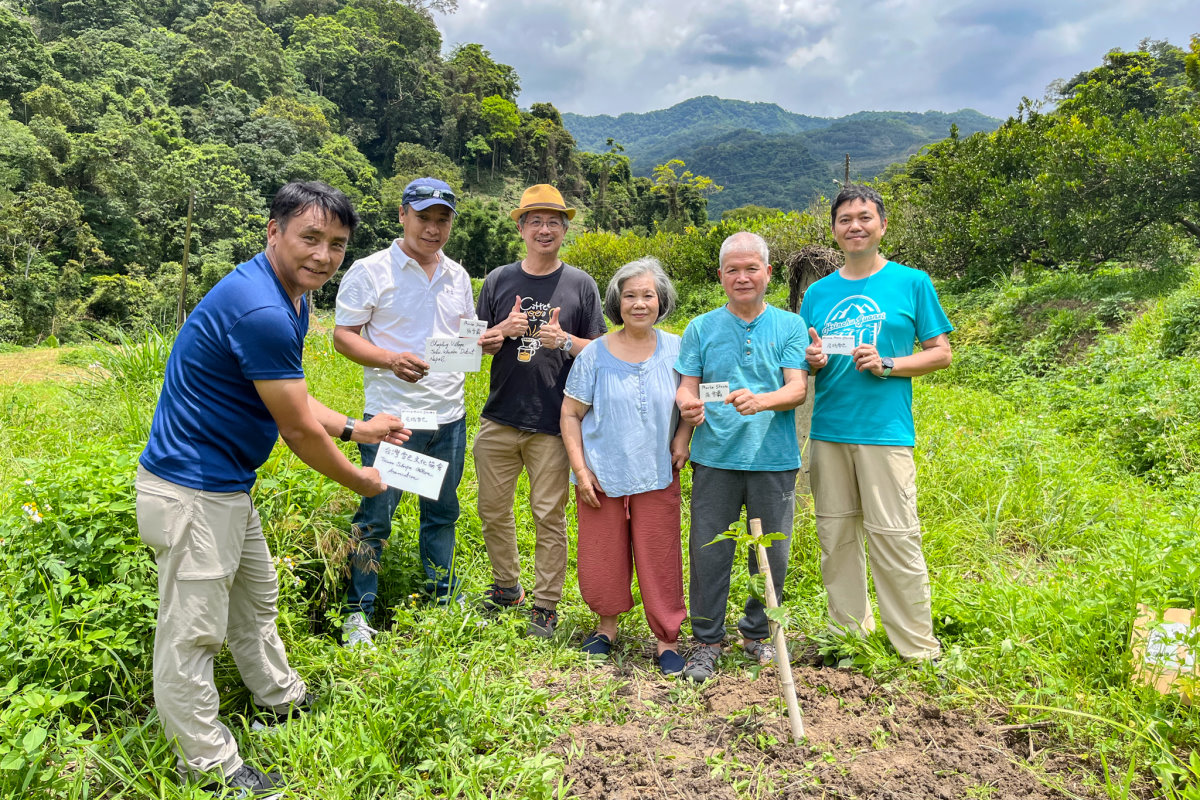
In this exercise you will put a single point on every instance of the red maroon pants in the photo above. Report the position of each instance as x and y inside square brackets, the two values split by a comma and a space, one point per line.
[642, 530]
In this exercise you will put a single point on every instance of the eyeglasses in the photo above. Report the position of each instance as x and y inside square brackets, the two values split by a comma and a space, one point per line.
[551, 224]
[425, 192]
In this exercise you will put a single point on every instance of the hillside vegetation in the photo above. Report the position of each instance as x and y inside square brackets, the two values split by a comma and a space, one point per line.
[764, 155]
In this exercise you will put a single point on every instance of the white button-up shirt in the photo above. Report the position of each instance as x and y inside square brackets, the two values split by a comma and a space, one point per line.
[399, 306]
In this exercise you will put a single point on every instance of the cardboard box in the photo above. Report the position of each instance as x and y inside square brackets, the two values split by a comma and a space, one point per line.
[1166, 650]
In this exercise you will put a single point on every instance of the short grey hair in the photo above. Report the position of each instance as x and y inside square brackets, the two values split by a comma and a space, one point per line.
[647, 265]
[744, 242]
[566, 221]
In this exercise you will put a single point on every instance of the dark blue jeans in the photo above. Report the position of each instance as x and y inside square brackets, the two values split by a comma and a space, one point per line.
[373, 520]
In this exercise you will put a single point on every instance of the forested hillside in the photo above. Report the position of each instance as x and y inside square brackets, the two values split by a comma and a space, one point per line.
[764, 155]
[112, 113]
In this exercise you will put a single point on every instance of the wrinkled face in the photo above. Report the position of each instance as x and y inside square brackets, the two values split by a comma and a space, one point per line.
[306, 250]
[857, 227]
[543, 232]
[426, 231]
[744, 276]
[639, 302]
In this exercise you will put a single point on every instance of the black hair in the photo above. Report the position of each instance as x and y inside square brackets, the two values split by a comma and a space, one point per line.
[852, 192]
[298, 196]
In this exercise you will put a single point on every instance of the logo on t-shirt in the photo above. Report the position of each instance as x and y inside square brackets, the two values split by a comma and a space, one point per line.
[858, 316]
[538, 314]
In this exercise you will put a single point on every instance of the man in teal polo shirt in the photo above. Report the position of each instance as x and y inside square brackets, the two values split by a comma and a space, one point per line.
[867, 316]
[744, 450]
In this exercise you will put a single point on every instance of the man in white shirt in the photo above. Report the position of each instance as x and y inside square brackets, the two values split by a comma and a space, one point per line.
[388, 304]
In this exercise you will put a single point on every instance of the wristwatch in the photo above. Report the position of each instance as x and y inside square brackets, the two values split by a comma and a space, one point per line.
[348, 431]
[567, 345]
[888, 364]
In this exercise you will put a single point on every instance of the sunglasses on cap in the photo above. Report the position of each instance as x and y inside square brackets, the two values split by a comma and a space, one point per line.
[425, 192]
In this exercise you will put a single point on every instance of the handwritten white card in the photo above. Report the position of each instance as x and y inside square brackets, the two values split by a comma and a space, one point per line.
[409, 471]
[453, 355]
[714, 392]
[472, 328]
[839, 345]
[424, 419]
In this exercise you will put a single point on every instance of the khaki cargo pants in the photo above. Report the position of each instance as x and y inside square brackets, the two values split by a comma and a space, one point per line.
[867, 494]
[216, 580]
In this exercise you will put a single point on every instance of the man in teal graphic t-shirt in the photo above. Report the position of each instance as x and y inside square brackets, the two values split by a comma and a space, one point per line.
[865, 320]
[746, 359]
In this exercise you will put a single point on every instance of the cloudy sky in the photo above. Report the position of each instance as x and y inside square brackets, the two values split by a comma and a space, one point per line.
[810, 56]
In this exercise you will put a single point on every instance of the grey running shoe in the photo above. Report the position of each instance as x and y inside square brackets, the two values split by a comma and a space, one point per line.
[759, 650]
[702, 663]
[543, 622]
[248, 783]
[356, 631]
[498, 598]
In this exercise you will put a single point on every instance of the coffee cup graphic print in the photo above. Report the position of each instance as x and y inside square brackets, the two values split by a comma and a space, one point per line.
[537, 313]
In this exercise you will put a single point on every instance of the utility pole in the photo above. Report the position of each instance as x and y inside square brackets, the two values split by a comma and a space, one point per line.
[181, 309]
[846, 182]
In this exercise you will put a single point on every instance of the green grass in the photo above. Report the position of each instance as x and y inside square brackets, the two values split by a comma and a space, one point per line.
[1041, 539]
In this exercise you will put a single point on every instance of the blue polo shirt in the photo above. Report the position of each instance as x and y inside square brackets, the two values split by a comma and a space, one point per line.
[720, 346]
[211, 430]
[892, 309]
[628, 430]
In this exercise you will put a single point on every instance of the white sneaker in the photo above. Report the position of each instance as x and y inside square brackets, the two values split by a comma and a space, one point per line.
[356, 631]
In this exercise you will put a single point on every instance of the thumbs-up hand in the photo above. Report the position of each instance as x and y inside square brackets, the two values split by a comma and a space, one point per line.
[816, 359]
[551, 334]
[516, 323]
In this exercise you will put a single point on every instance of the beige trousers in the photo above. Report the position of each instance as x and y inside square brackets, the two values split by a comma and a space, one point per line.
[216, 580]
[869, 492]
[501, 452]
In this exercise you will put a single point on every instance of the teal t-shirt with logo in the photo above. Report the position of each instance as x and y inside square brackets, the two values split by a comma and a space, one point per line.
[720, 346]
[892, 309]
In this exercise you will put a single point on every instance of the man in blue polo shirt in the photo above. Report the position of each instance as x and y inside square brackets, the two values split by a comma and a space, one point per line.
[744, 450]
[234, 384]
[866, 318]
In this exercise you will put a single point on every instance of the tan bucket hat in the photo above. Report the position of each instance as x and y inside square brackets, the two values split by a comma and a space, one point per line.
[542, 196]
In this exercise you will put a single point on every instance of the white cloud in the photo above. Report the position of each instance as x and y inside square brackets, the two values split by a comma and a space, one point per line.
[810, 56]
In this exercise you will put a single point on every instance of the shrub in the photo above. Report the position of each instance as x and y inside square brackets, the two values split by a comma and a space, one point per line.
[81, 595]
[1181, 330]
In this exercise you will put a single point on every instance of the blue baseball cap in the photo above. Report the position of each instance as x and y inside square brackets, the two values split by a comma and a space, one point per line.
[425, 192]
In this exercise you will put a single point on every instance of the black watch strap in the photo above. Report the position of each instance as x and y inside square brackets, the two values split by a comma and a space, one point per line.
[348, 431]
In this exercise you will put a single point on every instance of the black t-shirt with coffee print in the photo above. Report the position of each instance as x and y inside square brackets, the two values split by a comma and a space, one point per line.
[527, 380]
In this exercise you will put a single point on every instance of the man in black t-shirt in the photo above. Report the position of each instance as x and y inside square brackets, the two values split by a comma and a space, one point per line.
[542, 313]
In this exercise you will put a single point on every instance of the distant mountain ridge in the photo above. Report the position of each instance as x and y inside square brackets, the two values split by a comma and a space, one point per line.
[764, 154]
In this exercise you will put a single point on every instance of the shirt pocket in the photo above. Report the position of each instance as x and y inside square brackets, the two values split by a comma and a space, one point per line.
[453, 304]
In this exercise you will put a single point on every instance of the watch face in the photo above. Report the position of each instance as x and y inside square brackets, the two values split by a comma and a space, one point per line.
[887, 362]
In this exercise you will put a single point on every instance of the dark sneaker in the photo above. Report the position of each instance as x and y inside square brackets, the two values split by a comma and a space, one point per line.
[702, 664]
[543, 622]
[498, 598]
[265, 718]
[597, 645]
[670, 663]
[247, 783]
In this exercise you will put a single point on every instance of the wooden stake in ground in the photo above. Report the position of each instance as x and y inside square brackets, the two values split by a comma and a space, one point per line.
[783, 659]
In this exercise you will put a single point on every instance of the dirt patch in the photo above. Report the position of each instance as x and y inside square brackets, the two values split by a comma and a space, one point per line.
[864, 740]
[31, 366]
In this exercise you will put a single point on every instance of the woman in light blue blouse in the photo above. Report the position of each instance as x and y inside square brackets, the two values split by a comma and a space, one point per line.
[627, 444]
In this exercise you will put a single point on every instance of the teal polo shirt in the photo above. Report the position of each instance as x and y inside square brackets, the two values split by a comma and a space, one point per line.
[720, 346]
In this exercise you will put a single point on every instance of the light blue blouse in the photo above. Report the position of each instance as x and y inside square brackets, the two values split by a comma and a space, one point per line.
[627, 432]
